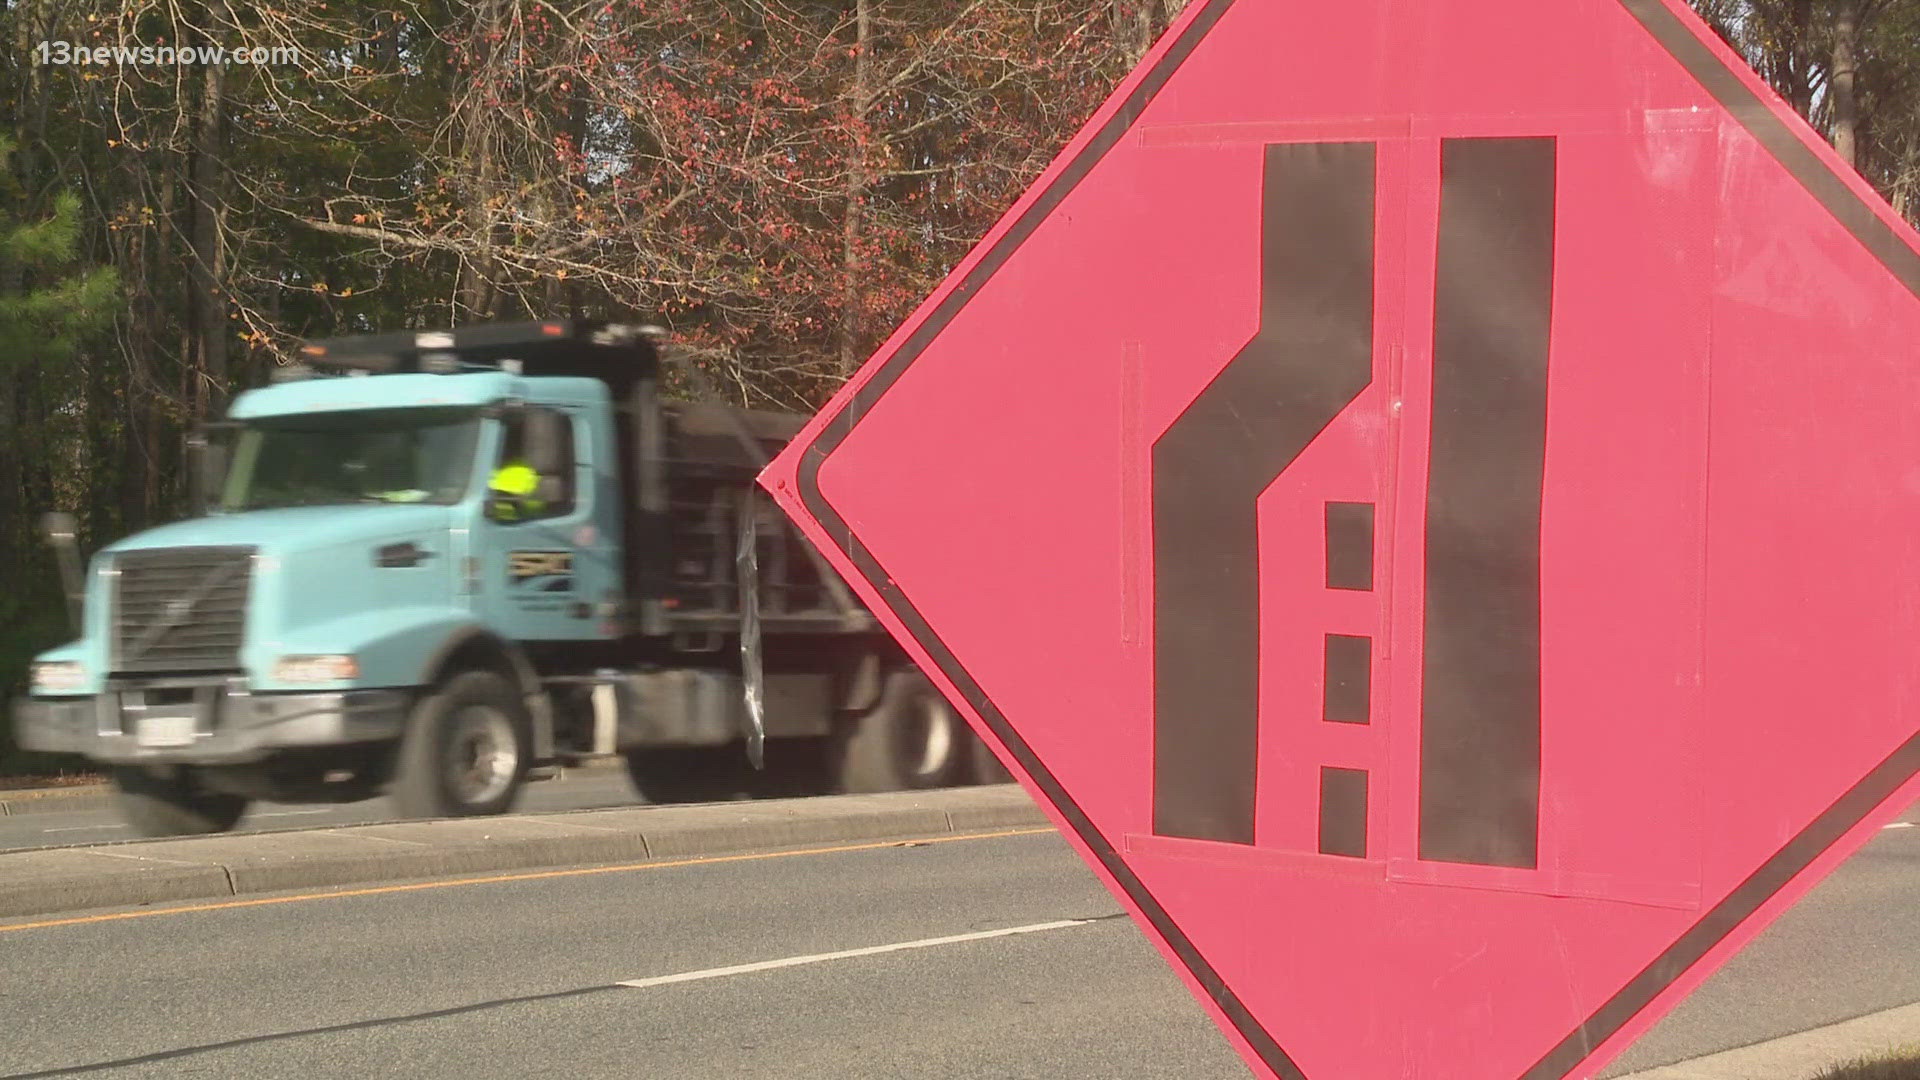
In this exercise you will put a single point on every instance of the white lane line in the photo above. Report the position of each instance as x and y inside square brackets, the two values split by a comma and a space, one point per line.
[525, 820]
[139, 858]
[846, 954]
[271, 813]
[370, 836]
[1898, 825]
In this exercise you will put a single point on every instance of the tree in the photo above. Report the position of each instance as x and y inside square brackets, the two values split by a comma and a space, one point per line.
[1851, 67]
[52, 305]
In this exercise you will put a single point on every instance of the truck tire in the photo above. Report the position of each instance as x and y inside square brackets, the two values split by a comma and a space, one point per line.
[466, 750]
[172, 803]
[680, 774]
[910, 741]
[986, 767]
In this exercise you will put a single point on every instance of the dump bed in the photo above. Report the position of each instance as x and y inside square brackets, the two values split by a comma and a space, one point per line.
[712, 453]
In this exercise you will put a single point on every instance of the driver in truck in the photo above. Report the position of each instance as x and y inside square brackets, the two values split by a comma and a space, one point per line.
[518, 481]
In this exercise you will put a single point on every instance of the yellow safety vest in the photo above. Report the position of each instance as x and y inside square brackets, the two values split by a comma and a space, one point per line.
[518, 479]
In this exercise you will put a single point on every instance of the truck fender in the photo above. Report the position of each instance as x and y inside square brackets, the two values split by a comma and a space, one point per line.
[474, 646]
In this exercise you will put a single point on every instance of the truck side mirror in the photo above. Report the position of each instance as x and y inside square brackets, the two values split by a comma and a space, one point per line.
[59, 527]
[208, 473]
[62, 533]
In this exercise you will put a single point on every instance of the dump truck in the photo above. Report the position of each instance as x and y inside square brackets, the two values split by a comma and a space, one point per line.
[435, 565]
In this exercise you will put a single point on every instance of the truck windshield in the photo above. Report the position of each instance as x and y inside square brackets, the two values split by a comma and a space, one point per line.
[367, 456]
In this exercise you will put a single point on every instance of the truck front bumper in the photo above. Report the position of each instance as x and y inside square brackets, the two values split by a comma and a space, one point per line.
[203, 723]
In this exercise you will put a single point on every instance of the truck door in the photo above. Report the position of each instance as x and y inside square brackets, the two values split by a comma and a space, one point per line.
[546, 563]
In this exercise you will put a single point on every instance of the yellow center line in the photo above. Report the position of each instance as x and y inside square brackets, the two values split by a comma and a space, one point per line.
[496, 879]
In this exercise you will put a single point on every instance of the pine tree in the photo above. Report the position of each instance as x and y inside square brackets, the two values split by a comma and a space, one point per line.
[51, 306]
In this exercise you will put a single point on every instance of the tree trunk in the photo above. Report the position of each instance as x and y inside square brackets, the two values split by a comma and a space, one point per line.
[860, 98]
[30, 109]
[17, 374]
[209, 304]
[476, 296]
[1788, 60]
[13, 516]
[1906, 176]
[1137, 24]
[1846, 108]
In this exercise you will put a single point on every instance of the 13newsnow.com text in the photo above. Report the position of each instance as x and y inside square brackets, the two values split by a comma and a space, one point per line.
[68, 54]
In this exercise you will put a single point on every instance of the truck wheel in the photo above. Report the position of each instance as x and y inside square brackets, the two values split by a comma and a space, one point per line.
[679, 774]
[910, 741]
[465, 751]
[173, 803]
[987, 768]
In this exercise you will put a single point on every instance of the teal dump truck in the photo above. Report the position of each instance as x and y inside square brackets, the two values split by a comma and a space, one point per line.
[434, 565]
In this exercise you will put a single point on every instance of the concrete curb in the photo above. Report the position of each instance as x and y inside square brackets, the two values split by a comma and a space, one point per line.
[52, 800]
[52, 880]
[96, 796]
[1801, 1055]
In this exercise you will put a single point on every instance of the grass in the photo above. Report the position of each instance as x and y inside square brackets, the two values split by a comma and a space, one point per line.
[1902, 1063]
[62, 778]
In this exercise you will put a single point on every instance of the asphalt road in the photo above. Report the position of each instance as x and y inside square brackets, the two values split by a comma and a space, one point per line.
[523, 977]
[1846, 950]
[577, 790]
[520, 979]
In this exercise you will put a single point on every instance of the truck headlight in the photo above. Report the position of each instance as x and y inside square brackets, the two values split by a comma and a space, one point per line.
[307, 669]
[58, 677]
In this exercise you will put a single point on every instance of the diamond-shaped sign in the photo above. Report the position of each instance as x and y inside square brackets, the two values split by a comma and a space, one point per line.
[1428, 491]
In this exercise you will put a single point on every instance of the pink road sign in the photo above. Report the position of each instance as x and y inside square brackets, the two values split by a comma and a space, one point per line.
[1428, 492]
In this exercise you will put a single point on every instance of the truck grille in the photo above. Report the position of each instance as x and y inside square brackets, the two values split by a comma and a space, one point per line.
[180, 609]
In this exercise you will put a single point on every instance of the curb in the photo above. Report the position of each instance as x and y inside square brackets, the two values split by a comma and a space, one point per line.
[54, 880]
[1803, 1054]
[47, 800]
[98, 796]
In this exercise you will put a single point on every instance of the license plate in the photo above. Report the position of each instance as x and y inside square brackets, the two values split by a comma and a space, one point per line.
[164, 730]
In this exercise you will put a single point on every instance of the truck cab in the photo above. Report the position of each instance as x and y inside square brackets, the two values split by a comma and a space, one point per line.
[433, 564]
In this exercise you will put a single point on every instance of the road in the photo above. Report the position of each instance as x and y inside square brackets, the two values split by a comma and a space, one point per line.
[578, 790]
[797, 772]
[523, 977]
[1846, 950]
[519, 979]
